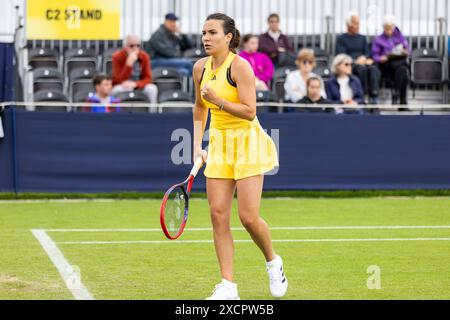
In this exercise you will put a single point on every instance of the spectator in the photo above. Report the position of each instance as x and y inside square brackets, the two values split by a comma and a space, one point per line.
[390, 50]
[102, 98]
[131, 69]
[261, 64]
[167, 44]
[275, 44]
[343, 87]
[314, 95]
[295, 84]
[355, 45]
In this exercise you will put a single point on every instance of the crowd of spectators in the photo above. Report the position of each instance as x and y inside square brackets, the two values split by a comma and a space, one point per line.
[357, 70]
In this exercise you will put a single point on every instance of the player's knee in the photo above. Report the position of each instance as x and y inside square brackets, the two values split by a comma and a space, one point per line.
[247, 220]
[218, 215]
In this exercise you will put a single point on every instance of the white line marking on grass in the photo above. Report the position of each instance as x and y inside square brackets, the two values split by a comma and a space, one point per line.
[250, 241]
[71, 278]
[57, 201]
[242, 229]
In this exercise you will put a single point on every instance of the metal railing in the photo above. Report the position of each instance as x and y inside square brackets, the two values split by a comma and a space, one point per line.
[162, 107]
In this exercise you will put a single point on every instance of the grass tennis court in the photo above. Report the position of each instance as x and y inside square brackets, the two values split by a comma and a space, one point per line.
[122, 254]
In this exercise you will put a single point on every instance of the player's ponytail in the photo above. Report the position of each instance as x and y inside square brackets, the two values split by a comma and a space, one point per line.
[229, 26]
[236, 41]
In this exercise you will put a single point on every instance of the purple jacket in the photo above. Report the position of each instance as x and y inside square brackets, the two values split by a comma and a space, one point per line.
[383, 45]
[261, 65]
[268, 45]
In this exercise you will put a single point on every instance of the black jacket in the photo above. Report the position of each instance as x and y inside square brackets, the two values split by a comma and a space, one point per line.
[165, 44]
[322, 100]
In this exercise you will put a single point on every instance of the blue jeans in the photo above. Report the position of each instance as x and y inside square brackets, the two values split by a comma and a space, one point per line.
[184, 66]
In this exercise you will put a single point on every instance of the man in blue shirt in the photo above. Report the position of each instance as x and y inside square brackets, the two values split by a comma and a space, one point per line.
[101, 101]
[355, 45]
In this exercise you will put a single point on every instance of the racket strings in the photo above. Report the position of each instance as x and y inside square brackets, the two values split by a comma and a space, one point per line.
[175, 211]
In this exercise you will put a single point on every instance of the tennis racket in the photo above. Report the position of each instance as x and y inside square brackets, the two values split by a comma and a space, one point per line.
[175, 205]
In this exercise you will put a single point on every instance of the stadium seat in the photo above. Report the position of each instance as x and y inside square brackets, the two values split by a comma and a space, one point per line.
[167, 79]
[175, 96]
[81, 96]
[427, 68]
[107, 60]
[134, 96]
[194, 54]
[267, 97]
[278, 81]
[81, 80]
[322, 59]
[307, 41]
[322, 71]
[43, 58]
[50, 96]
[47, 79]
[80, 87]
[79, 58]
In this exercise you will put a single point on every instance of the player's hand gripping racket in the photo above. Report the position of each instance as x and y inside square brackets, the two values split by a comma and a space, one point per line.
[175, 205]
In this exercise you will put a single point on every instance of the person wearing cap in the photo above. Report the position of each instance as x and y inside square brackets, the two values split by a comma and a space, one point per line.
[355, 45]
[391, 50]
[167, 44]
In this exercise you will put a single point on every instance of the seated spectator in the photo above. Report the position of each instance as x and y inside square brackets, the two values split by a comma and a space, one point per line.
[355, 45]
[167, 44]
[295, 84]
[102, 99]
[391, 50]
[343, 87]
[314, 95]
[261, 64]
[276, 45]
[131, 69]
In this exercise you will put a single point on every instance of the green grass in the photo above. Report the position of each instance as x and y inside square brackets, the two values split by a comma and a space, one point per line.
[316, 270]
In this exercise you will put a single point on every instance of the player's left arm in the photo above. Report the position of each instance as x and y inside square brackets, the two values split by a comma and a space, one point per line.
[242, 74]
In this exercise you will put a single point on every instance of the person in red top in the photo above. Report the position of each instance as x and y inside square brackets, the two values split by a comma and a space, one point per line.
[131, 69]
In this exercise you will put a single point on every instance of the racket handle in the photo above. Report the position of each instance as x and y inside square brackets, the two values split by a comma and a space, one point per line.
[197, 165]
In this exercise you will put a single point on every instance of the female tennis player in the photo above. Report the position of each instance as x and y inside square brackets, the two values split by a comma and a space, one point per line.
[239, 151]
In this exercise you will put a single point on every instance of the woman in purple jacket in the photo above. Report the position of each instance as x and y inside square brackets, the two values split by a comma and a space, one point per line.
[391, 50]
[261, 64]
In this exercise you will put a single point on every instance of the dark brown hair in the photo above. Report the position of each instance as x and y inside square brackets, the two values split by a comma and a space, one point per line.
[229, 26]
[247, 37]
[273, 15]
[99, 78]
[311, 79]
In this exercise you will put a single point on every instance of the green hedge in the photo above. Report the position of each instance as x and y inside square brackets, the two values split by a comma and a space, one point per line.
[266, 194]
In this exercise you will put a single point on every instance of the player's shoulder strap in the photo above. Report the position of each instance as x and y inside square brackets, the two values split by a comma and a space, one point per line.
[229, 78]
[205, 62]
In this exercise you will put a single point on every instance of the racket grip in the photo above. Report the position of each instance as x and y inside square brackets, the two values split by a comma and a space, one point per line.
[197, 165]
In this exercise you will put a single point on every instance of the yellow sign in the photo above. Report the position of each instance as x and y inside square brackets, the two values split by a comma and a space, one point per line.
[73, 19]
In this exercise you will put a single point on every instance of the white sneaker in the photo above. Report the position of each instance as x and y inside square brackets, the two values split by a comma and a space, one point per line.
[225, 290]
[277, 280]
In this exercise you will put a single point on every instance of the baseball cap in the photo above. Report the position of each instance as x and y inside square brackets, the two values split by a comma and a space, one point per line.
[171, 16]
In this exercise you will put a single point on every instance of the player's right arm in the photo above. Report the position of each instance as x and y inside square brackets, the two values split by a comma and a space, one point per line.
[200, 111]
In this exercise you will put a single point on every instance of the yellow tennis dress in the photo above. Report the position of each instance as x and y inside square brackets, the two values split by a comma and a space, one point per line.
[238, 148]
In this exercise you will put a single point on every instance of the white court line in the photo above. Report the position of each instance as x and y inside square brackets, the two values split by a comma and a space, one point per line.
[242, 229]
[71, 278]
[250, 241]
